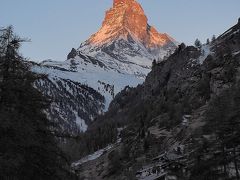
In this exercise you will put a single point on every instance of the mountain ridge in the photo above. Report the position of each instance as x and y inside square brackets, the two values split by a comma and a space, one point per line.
[106, 68]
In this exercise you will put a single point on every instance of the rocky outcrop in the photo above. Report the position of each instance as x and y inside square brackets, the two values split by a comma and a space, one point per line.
[72, 54]
[128, 18]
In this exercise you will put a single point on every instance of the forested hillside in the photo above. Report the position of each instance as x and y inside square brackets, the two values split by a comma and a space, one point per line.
[182, 122]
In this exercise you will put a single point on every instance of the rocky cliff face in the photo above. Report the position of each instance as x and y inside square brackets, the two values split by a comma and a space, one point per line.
[127, 18]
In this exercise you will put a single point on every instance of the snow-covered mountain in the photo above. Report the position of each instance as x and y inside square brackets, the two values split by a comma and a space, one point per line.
[120, 54]
[126, 42]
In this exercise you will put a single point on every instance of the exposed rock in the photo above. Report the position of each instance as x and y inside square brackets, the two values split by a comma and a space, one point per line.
[125, 18]
[72, 54]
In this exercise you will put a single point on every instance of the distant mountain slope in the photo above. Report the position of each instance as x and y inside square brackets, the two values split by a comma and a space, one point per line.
[80, 90]
[73, 105]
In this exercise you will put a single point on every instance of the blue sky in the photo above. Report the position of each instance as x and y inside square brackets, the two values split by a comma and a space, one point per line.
[55, 26]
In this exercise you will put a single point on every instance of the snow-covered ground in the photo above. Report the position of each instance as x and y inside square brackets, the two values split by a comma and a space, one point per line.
[91, 157]
[205, 52]
[105, 78]
[100, 152]
[91, 75]
[236, 53]
[81, 123]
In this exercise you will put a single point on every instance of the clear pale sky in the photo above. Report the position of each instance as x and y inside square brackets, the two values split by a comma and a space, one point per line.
[55, 26]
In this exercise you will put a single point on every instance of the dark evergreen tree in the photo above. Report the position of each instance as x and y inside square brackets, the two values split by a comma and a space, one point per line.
[223, 120]
[213, 38]
[154, 63]
[208, 41]
[73, 65]
[198, 43]
[28, 148]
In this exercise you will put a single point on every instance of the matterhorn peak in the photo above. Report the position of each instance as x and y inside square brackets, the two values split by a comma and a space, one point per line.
[126, 43]
[116, 2]
[127, 18]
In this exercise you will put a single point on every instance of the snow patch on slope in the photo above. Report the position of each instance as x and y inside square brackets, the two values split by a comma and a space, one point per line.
[81, 123]
[91, 75]
[205, 52]
[93, 156]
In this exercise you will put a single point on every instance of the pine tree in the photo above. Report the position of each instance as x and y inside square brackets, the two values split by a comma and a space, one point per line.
[28, 149]
[213, 38]
[73, 65]
[154, 63]
[198, 43]
[208, 41]
[223, 120]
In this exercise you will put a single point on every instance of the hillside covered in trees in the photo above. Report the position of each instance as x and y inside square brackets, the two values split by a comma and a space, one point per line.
[183, 122]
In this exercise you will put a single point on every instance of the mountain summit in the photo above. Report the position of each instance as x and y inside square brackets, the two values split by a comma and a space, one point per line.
[125, 19]
[126, 37]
